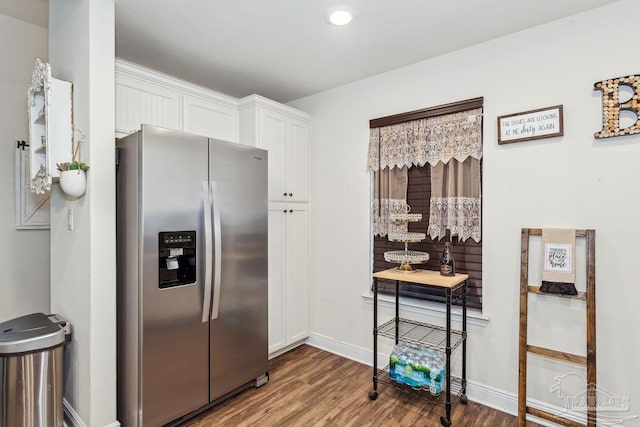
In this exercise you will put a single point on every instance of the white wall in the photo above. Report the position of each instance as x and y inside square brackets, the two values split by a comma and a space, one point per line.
[81, 50]
[572, 181]
[24, 255]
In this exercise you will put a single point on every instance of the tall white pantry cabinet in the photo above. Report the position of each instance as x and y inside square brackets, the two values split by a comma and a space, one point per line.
[284, 132]
[149, 97]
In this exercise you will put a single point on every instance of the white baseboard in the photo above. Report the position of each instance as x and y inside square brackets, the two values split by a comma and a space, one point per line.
[350, 351]
[483, 394]
[72, 419]
[286, 349]
[506, 401]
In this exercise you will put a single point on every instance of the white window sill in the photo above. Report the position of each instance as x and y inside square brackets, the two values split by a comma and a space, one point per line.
[428, 308]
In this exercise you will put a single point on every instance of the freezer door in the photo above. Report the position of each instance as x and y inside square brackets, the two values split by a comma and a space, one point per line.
[175, 341]
[239, 309]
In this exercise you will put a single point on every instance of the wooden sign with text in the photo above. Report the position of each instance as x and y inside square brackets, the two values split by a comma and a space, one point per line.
[530, 125]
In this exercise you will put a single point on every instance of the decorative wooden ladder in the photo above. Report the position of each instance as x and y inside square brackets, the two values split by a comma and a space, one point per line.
[590, 360]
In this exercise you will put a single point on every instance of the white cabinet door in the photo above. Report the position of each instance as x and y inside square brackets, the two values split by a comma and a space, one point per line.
[288, 277]
[287, 140]
[139, 102]
[297, 160]
[284, 132]
[277, 278]
[297, 268]
[273, 137]
[212, 119]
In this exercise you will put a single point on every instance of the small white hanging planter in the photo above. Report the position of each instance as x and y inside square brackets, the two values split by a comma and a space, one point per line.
[73, 182]
[73, 177]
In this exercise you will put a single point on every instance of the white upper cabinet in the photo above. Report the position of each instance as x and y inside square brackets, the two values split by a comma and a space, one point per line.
[141, 102]
[284, 132]
[210, 118]
[297, 160]
[145, 96]
[273, 139]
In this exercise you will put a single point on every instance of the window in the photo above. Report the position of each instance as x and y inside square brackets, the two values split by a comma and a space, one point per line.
[467, 253]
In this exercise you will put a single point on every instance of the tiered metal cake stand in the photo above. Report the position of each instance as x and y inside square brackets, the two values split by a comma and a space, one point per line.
[406, 258]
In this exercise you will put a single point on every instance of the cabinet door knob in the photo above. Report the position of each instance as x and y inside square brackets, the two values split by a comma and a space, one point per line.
[284, 194]
[290, 210]
[290, 194]
[285, 211]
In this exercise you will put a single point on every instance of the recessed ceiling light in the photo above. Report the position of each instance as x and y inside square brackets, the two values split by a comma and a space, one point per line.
[339, 16]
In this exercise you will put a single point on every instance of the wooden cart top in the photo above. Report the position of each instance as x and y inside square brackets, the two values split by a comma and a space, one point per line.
[422, 277]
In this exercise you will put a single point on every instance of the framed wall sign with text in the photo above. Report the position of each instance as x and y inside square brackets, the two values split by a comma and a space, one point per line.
[530, 125]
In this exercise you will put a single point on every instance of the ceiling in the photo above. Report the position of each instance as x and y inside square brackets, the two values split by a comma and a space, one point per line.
[284, 49]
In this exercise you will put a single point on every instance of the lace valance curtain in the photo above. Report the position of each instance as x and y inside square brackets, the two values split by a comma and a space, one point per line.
[452, 145]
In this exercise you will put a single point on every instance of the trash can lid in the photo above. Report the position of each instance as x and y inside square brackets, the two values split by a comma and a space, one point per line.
[30, 333]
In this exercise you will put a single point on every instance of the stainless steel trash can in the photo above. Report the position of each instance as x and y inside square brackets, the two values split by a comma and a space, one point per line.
[31, 368]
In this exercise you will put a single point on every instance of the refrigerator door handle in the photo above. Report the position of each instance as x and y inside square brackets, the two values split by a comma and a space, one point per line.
[208, 252]
[217, 254]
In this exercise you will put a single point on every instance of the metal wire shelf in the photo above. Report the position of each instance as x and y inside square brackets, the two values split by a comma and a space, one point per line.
[421, 334]
[457, 388]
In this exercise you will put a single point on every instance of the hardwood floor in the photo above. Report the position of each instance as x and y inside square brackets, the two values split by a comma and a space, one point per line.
[311, 387]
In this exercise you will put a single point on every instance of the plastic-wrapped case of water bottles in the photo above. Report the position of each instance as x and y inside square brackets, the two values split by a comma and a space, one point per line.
[418, 368]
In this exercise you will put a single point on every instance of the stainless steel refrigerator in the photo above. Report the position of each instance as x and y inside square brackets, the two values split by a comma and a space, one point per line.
[192, 273]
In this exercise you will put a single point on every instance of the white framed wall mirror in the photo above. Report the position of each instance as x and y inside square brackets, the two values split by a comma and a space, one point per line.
[50, 112]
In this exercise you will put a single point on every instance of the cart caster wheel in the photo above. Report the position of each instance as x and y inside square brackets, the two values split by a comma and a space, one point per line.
[445, 422]
[373, 395]
[463, 399]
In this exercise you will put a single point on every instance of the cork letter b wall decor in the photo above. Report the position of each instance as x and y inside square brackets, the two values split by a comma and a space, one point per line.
[611, 106]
